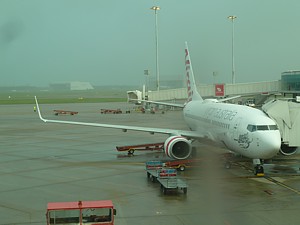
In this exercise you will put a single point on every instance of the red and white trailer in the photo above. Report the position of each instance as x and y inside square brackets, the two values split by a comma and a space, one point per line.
[141, 147]
[181, 164]
[113, 111]
[64, 112]
[167, 177]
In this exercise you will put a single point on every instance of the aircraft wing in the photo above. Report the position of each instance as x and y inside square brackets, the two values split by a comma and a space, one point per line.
[229, 98]
[160, 103]
[183, 105]
[124, 128]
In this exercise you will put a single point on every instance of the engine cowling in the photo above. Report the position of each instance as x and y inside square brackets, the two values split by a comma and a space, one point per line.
[178, 147]
[287, 150]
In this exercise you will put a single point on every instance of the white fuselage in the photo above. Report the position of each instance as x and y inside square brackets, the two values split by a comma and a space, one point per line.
[242, 129]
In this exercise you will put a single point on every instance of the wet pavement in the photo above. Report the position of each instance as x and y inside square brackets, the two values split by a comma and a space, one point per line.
[43, 163]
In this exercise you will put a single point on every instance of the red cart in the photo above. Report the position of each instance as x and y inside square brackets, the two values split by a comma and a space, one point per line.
[81, 212]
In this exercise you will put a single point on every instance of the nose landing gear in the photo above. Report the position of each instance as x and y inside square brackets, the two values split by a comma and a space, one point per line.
[258, 168]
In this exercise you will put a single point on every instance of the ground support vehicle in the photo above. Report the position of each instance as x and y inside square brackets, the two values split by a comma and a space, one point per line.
[152, 168]
[142, 147]
[59, 111]
[113, 111]
[81, 212]
[181, 165]
[169, 181]
[167, 177]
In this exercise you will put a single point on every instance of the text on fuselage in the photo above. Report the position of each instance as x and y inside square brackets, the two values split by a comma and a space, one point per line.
[221, 113]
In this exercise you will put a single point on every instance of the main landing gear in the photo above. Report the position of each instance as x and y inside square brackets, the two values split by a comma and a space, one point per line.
[258, 167]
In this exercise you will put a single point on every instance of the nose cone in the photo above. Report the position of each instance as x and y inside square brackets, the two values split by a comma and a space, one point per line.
[270, 144]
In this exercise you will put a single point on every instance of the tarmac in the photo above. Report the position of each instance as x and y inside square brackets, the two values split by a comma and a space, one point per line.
[44, 162]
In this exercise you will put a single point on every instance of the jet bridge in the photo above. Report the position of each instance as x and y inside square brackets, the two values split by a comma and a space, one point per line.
[286, 113]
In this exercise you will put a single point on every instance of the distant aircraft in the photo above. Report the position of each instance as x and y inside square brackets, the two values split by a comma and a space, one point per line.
[241, 129]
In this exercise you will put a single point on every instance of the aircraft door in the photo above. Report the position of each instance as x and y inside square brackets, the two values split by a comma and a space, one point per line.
[235, 128]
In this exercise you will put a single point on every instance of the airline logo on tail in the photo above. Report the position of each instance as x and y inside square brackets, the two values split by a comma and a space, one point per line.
[192, 92]
[187, 68]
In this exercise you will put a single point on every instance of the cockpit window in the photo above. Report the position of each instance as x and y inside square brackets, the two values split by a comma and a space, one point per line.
[273, 127]
[262, 127]
[253, 128]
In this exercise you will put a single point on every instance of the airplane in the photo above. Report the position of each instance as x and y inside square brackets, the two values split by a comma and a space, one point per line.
[241, 129]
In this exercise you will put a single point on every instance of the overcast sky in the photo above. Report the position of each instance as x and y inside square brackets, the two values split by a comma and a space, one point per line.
[112, 42]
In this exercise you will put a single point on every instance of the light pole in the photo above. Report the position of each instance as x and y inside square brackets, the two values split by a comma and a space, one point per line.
[147, 74]
[156, 8]
[232, 18]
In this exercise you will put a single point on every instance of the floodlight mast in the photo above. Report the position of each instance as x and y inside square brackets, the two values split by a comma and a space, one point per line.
[232, 18]
[156, 8]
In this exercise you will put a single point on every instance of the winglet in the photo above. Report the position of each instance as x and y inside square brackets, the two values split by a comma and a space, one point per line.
[38, 109]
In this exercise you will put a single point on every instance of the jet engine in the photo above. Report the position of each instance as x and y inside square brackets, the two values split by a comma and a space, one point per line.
[287, 150]
[178, 147]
